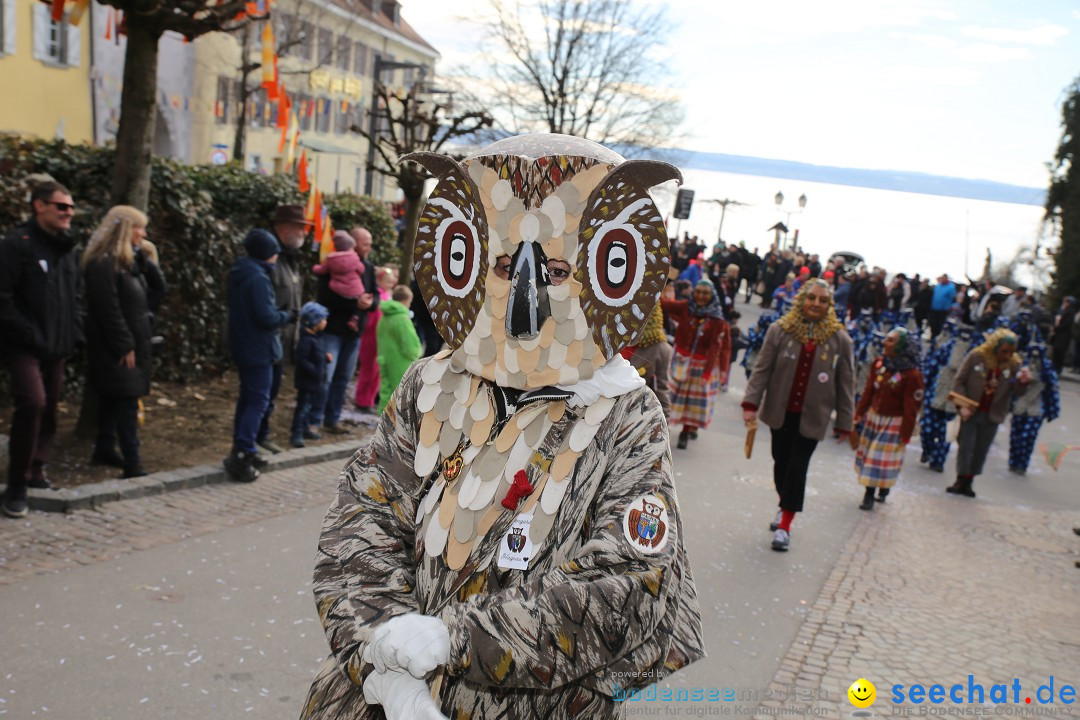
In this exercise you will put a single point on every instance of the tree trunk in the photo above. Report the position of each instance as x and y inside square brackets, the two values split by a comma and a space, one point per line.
[240, 139]
[414, 203]
[138, 116]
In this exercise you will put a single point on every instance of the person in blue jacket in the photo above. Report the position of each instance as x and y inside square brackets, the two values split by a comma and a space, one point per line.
[255, 343]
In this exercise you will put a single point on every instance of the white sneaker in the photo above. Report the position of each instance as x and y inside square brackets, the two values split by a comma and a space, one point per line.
[776, 523]
[780, 540]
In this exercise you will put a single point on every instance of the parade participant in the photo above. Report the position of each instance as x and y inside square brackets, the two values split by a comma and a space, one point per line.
[290, 227]
[1042, 401]
[885, 416]
[939, 371]
[255, 341]
[991, 375]
[519, 484]
[699, 365]
[804, 373]
[652, 358]
[118, 332]
[39, 329]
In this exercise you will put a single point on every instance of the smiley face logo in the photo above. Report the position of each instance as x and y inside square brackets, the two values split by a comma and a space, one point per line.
[862, 693]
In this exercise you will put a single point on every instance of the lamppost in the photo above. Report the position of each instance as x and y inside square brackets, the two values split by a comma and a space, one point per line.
[779, 200]
[380, 67]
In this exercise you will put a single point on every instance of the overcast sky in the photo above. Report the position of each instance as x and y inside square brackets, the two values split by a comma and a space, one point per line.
[948, 87]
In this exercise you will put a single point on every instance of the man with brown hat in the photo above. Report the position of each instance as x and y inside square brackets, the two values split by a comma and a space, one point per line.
[290, 228]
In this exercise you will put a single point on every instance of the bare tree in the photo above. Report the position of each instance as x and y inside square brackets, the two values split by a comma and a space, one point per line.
[146, 21]
[411, 123]
[579, 67]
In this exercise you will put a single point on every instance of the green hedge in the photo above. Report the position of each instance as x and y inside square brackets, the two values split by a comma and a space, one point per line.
[198, 217]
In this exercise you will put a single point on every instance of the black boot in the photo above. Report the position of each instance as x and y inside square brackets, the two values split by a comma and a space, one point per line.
[134, 471]
[868, 499]
[684, 438]
[240, 468]
[957, 488]
[966, 490]
[106, 456]
[882, 493]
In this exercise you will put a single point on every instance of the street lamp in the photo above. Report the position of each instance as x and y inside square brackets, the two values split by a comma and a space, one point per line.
[779, 200]
[380, 67]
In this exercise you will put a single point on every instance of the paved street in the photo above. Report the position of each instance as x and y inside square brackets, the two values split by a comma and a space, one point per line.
[198, 604]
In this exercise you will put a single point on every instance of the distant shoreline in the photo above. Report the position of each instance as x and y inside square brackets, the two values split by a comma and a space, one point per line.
[897, 180]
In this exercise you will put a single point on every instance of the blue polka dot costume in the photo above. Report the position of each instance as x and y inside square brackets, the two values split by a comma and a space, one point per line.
[755, 336]
[867, 336]
[939, 369]
[1041, 402]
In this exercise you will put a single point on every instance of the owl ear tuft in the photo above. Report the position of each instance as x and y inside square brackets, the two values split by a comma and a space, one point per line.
[436, 164]
[646, 173]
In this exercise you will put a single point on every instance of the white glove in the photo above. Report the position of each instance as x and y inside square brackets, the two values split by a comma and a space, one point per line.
[415, 643]
[402, 696]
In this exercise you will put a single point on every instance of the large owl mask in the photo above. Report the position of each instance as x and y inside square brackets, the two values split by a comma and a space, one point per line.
[540, 256]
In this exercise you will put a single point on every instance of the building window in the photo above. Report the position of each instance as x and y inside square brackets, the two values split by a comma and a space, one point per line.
[306, 40]
[7, 27]
[260, 112]
[326, 47]
[408, 77]
[360, 50]
[322, 115]
[283, 24]
[344, 53]
[305, 108]
[55, 43]
[221, 105]
[342, 116]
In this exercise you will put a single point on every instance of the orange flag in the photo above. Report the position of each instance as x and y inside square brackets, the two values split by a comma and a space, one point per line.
[318, 214]
[309, 211]
[269, 66]
[109, 24]
[283, 141]
[283, 114]
[301, 169]
[77, 12]
[57, 10]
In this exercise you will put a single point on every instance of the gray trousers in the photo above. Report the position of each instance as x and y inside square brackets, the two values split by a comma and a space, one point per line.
[973, 443]
[656, 359]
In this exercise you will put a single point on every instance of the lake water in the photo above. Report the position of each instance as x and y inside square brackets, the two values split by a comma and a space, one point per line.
[899, 231]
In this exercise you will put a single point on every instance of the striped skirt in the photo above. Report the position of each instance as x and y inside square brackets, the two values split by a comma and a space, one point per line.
[692, 395]
[880, 453]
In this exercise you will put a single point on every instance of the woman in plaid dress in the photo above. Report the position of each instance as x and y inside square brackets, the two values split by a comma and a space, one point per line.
[702, 355]
[886, 414]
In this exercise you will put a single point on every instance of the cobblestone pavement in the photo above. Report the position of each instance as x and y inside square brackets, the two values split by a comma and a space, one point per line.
[930, 591]
[51, 542]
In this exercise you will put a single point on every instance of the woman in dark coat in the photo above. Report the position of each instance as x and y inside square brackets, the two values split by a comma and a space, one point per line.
[118, 331]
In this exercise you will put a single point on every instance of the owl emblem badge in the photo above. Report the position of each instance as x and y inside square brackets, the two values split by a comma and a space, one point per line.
[645, 524]
[515, 540]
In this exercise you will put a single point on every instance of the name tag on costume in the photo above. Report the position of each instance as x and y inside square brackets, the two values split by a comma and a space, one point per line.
[515, 548]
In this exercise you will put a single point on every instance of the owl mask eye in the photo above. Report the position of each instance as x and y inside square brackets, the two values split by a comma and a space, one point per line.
[457, 250]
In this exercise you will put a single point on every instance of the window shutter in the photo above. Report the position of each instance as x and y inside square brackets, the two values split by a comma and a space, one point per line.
[8, 47]
[74, 45]
[41, 32]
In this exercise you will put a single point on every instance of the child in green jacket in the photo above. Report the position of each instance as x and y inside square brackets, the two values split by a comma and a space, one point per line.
[398, 343]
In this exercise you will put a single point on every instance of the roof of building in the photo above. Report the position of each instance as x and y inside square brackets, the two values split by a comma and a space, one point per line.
[363, 9]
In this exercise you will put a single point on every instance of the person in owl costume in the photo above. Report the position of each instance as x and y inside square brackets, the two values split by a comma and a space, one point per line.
[1041, 402]
[510, 544]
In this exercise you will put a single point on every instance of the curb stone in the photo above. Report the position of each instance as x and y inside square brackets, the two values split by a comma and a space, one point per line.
[94, 495]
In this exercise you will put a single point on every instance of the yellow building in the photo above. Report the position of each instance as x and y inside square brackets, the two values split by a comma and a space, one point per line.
[45, 73]
[329, 52]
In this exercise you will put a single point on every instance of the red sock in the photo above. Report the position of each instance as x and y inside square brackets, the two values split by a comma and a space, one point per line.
[786, 516]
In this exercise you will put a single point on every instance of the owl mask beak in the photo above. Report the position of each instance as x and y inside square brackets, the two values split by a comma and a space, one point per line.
[528, 305]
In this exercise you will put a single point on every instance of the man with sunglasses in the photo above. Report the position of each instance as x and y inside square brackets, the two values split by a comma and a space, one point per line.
[39, 328]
